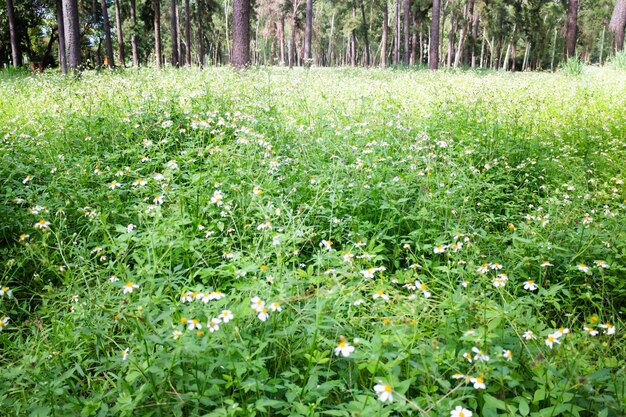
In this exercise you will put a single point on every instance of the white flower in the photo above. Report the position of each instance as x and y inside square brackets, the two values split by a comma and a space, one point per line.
[129, 287]
[3, 322]
[609, 328]
[384, 392]
[226, 316]
[546, 264]
[194, 324]
[440, 249]
[125, 353]
[591, 331]
[217, 198]
[480, 355]
[508, 355]
[552, 339]
[114, 185]
[479, 382]
[380, 294]
[158, 199]
[327, 244]
[358, 302]
[583, 267]
[213, 324]
[483, 269]
[460, 412]
[263, 314]
[257, 304]
[344, 349]
[530, 285]
[6, 291]
[130, 228]
[43, 225]
[529, 335]
[176, 334]
[275, 307]
[500, 281]
[601, 264]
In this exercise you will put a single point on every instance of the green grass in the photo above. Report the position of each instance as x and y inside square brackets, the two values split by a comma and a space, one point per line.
[363, 202]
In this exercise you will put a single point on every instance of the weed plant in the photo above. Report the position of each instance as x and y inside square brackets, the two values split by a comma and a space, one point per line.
[299, 243]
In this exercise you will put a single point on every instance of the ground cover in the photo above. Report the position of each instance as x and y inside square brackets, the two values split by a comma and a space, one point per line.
[328, 242]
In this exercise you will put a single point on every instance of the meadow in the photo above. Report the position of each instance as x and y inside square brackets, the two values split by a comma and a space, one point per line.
[330, 242]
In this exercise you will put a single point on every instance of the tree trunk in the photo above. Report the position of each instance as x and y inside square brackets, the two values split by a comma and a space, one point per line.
[187, 33]
[353, 37]
[396, 35]
[308, 32]
[120, 37]
[241, 34]
[281, 35]
[414, 39]
[157, 32]
[292, 40]
[16, 54]
[133, 36]
[61, 25]
[107, 34]
[572, 21]
[174, 34]
[72, 33]
[618, 23]
[407, 32]
[451, 36]
[475, 21]
[330, 41]
[383, 48]
[433, 54]
[365, 35]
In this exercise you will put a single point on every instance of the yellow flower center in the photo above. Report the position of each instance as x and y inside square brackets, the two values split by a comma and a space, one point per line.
[388, 388]
[342, 344]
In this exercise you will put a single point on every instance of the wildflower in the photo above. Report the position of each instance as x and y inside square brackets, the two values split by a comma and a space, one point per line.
[158, 199]
[214, 324]
[460, 412]
[552, 339]
[508, 355]
[3, 322]
[440, 249]
[7, 291]
[226, 316]
[587, 219]
[562, 331]
[483, 268]
[495, 266]
[591, 331]
[217, 198]
[327, 244]
[193, 324]
[380, 294]
[500, 281]
[23, 237]
[530, 285]
[347, 258]
[257, 191]
[424, 288]
[129, 287]
[384, 392]
[468, 356]
[369, 272]
[479, 382]
[43, 225]
[176, 334]
[125, 353]
[609, 328]
[529, 335]
[546, 264]
[358, 302]
[582, 267]
[257, 304]
[276, 307]
[343, 348]
[114, 185]
[113, 278]
[360, 244]
[480, 355]
[601, 264]
[139, 182]
[158, 177]
[130, 228]
[263, 314]
[458, 376]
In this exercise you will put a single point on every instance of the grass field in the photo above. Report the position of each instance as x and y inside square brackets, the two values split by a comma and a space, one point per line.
[313, 243]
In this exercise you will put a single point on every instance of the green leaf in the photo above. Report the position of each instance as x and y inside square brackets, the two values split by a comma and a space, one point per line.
[524, 409]
[493, 402]
[540, 395]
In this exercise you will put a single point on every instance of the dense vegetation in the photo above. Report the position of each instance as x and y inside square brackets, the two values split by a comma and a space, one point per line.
[417, 242]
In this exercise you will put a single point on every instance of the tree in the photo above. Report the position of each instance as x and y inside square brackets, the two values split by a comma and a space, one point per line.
[120, 36]
[72, 33]
[433, 53]
[308, 30]
[407, 32]
[383, 49]
[61, 26]
[187, 34]
[156, 5]
[618, 23]
[174, 26]
[133, 36]
[572, 19]
[240, 56]
[16, 53]
[107, 34]
[365, 35]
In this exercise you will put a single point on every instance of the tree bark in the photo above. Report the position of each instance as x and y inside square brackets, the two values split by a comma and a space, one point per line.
[107, 34]
[120, 37]
[407, 32]
[308, 32]
[157, 32]
[187, 34]
[16, 54]
[174, 34]
[414, 40]
[475, 22]
[383, 48]
[396, 35]
[241, 34]
[292, 40]
[353, 37]
[61, 25]
[72, 33]
[133, 36]
[365, 35]
[618, 23]
[572, 22]
[433, 54]
[451, 36]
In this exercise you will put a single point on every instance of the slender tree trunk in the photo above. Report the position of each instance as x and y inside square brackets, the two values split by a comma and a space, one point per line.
[174, 34]
[396, 34]
[601, 44]
[308, 32]
[572, 23]
[414, 39]
[353, 37]
[618, 23]
[16, 54]
[330, 40]
[107, 34]
[475, 21]
[241, 33]
[72, 33]
[61, 25]
[407, 32]
[553, 50]
[281, 34]
[365, 35]
[514, 56]
[133, 36]
[157, 32]
[292, 41]
[187, 33]
[451, 36]
[383, 48]
[459, 50]
[96, 22]
[120, 37]
[433, 54]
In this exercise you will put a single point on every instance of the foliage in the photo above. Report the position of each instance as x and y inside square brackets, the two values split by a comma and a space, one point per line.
[429, 221]
[619, 61]
[572, 66]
